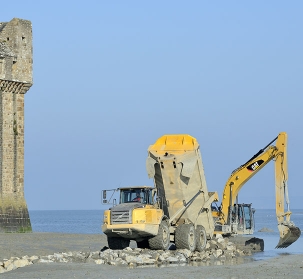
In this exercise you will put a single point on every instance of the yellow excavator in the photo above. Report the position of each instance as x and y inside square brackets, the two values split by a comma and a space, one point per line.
[235, 218]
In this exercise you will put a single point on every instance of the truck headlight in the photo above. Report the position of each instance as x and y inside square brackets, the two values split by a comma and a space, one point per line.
[105, 219]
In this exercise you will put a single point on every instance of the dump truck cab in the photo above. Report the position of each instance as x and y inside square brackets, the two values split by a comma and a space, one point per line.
[135, 217]
[141, 194]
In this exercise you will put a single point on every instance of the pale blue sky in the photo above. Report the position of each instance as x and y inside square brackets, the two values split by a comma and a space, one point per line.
[110, 77]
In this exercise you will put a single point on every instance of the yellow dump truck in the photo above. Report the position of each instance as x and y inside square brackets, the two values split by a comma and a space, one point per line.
[177, 209]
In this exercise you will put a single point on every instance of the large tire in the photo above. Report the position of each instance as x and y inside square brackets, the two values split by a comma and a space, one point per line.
[117, 243]
[201, 239]
[162, 240]
[185, 237]
[143, 244]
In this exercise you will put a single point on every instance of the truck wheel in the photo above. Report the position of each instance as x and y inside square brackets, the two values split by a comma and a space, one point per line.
[143, 244]
[185, 237]
[162, 240]
[117, 243]
[201, 238]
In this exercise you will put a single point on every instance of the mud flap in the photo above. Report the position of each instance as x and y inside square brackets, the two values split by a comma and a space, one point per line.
[288, 235]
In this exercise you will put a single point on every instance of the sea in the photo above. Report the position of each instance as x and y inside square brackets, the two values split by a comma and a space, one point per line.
[89, 222]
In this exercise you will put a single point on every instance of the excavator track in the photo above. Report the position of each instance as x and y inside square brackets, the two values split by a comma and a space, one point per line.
[288, 235]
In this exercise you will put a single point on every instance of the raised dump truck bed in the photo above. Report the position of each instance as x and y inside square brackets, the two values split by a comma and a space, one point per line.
[175, 163]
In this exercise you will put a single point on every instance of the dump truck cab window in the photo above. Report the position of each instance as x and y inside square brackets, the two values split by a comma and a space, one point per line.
[136, 195]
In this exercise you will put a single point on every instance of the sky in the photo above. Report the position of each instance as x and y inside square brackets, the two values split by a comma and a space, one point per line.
[111, 77]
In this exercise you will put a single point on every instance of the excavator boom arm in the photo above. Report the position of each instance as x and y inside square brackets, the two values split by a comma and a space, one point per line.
[281, 177]
[241, 175]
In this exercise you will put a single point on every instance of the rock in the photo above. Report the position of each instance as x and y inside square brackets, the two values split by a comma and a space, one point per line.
[217, 253]
[2, 269]
[130, 259]
[230, 246]
[7, 263]
[185, 252]
[229, 254]
[128, 249]
[95, 255]
[33, 258]
[203, 255]
[213, 244]
[161, 259]
[132, 265]
[222, 245]
[120, 262]
[219, 236]
[10, 267]
[68, 254]
[146, 256]
[247, 252]
[99, 261]
[21, 263]
[150, 261]
[139, 260]
[57, 257]
[239, 253]
[172, 260]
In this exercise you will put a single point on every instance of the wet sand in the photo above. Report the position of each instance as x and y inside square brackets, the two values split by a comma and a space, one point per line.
[286, 266]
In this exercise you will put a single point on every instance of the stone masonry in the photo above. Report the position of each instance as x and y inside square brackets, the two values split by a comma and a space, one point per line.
[16, 60]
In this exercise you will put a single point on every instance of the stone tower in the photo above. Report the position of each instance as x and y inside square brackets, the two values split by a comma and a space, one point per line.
[16, 59]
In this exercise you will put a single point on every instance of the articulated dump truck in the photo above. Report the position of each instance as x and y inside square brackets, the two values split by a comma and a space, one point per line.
[177, 209]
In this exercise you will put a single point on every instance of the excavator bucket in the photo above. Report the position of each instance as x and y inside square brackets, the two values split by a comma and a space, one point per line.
[288, 235]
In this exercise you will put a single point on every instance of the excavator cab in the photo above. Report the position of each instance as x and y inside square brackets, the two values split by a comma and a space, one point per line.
[241, 219]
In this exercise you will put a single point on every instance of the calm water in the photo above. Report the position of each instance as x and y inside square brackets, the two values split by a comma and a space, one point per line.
[67, 221]
[266, 218]
[89, 222]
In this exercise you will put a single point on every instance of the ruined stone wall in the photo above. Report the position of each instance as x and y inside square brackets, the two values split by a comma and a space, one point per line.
[15, 80]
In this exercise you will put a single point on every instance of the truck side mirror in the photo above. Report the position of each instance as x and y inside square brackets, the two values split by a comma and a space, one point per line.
[104, 200]
[109, 199]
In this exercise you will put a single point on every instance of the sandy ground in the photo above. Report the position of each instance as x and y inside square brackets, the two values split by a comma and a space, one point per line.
[286, 266]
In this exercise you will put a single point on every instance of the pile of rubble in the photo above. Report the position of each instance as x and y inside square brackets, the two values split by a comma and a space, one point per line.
[218, 250]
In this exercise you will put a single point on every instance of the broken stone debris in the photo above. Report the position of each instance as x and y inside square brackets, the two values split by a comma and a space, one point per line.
[218, 249]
